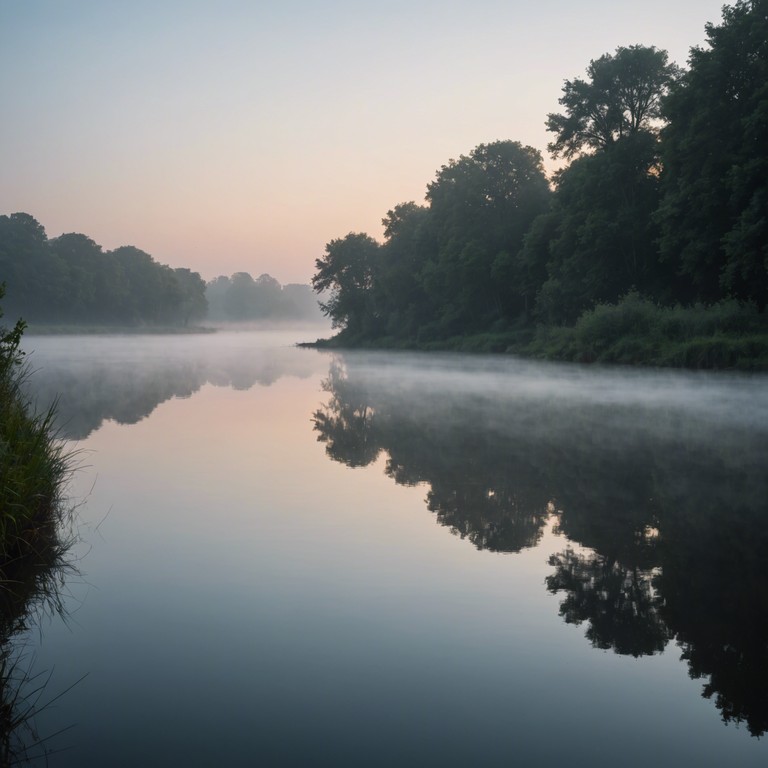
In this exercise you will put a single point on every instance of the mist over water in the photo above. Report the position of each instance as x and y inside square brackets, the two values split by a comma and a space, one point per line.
[268, 583]
[124, 378]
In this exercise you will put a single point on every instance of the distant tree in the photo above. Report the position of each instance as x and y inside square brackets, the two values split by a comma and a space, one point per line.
[152, 292]
[300, 303]
[193, 304]
[25, 258]
[71, 279]
[241, 296]
[216, 296]
[715, 179]
[267, 297]
[621, 97]
[94, 280]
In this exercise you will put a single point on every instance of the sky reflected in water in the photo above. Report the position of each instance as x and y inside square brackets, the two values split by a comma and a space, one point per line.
[264, 581]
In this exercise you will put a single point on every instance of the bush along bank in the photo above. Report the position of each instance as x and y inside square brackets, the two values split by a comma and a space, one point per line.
[636, 331]
[33, 465]
[633, 331]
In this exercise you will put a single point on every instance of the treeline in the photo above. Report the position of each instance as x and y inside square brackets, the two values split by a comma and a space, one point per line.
[241, 298]
[71, 279]
[663, 200]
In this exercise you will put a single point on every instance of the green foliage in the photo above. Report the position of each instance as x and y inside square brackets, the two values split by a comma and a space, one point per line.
[346, 273]
[601, 234]
[446, 268]
[728, 334]
[70, 279]
[715, 181]
[33, 466]
[622, 97]
[675, 214]
[409, 247]
[480, 207]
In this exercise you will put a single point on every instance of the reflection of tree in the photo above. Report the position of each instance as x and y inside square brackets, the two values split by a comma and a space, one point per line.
[667, 508]
[471, 490]
[687, 562]
[124, 383]
[619, 603]
[345, 424]
[490, 517]
[31, 586]
[716, 597]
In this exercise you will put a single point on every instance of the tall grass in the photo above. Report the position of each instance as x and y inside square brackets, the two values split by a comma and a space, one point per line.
[34, 467]
[33, 463]
[728, 334]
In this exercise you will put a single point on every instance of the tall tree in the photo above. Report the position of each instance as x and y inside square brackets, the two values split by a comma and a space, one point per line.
[408, 246]
[715, 179]
[193, 304]
[267, 296]
[602, 238]
[621, 97]
[346, 273]
[93, 278]
[152, 292]
[25, 259]
[481, 206]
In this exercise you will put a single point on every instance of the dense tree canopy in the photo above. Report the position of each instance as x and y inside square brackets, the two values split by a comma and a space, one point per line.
[714, 212]
[481, 206]
[72, 279]
[664, 202]
[621, 98]
[601, 240]
[446, 267]
[346, 273]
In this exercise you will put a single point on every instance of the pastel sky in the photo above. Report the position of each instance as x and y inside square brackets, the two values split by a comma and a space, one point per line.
[235, 135]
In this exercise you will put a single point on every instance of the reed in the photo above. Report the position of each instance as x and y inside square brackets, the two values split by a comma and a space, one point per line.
[34, 464]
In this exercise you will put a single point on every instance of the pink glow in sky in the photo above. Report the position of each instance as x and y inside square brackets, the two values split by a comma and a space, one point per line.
[243, 136]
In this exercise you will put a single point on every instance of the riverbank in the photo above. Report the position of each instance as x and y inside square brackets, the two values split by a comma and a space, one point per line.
[33, 465]
[727, 335]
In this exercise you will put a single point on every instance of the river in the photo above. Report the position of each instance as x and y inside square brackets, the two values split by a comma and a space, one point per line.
[293, 557]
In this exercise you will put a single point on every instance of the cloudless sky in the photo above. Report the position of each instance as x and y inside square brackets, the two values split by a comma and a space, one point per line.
[235, 135]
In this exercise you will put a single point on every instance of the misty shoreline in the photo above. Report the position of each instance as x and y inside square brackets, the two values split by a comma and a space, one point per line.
[716, 353]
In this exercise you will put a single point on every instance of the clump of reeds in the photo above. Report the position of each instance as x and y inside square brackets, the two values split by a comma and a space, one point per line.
[34, 465]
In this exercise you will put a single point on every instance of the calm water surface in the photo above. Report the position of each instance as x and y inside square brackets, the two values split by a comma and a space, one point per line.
[290, 557]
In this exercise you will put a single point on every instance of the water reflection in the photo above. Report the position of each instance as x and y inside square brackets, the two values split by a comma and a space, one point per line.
[30, 589]
[658, 481]
[123, 379]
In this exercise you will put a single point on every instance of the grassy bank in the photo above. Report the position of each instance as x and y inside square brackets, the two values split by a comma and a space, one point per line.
[33, 465]
[635, 331]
